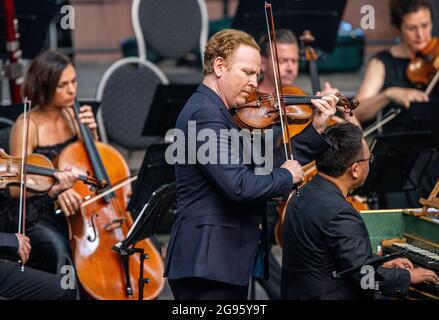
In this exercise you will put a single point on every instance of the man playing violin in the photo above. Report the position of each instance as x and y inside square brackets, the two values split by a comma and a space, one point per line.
[288, 55]
[215, 246]
[29, 283]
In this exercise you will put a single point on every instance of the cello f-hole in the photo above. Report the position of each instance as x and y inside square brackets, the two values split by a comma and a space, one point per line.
[93, 226]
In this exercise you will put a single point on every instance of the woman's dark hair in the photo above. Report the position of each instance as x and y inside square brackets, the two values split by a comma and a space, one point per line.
[346, 147]
[43, 75]
[400, 8]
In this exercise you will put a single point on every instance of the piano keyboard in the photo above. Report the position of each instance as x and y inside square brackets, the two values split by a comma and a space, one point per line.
[423, 257]
[420, 257]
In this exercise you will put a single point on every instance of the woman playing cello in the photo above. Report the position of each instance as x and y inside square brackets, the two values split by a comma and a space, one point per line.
[50, 84]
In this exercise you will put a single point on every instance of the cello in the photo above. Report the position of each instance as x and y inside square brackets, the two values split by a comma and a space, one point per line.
[103, 221]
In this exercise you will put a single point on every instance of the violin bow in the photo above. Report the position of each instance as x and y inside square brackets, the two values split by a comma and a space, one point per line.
[432, 83]
[23, 177]
[277, 80]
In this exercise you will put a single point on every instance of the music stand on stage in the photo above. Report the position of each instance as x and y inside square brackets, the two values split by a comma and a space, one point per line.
[159, 205]
[166, 106]
[400, 161]
[154, 172]
[422, 116]
[296, 16]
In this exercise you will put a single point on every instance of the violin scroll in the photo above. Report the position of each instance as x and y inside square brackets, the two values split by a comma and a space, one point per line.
[348, 105]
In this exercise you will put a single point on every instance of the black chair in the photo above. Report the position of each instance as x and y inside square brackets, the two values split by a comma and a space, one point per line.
[171, 28]
[125, 93]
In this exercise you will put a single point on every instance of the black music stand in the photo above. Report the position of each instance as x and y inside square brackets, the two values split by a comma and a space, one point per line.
[400, 161]
[168, 101]
[422, 116]
[161, 203]
[296, 16]
[154, 172]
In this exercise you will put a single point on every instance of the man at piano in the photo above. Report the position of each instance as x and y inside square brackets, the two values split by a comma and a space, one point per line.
[324, 233]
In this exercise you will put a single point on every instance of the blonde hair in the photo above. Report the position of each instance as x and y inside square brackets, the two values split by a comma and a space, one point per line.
[223, 44]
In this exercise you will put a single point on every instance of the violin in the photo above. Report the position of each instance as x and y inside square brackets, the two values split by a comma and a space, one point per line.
[423, 67]
[40, 173]
[262, 109]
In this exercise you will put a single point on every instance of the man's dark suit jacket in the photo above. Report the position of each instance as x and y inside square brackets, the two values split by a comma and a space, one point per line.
[323, 233]
[219, 207]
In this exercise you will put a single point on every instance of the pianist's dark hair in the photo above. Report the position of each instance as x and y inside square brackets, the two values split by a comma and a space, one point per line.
[346, 148]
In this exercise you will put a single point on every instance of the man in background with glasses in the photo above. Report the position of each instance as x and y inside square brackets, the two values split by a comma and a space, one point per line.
[324, 233]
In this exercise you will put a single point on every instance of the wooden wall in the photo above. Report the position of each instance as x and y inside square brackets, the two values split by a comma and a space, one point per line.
[102, 24]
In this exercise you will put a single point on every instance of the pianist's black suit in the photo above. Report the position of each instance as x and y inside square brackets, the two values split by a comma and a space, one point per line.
[322, 233]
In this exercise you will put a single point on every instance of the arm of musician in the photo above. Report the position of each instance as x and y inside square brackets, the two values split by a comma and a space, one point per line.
[24, 247]
[15, 243]
[350, 245]
[373, 99]
[231, 176]
[66, 198]
[345, 116]
[417, 275]
[308, 145]
[399, 263]
[325, 109]
[64, 180]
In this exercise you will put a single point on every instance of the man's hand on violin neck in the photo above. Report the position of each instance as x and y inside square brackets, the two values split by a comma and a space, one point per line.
[295, 169]
[65, 180]
[325, 109]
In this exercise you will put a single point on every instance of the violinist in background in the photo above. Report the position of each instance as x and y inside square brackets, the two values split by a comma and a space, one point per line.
[29, 284]
[50, 83]
[385, 85]
[288, 55]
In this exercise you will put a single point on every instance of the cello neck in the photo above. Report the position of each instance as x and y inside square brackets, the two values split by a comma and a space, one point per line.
[92, 152]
